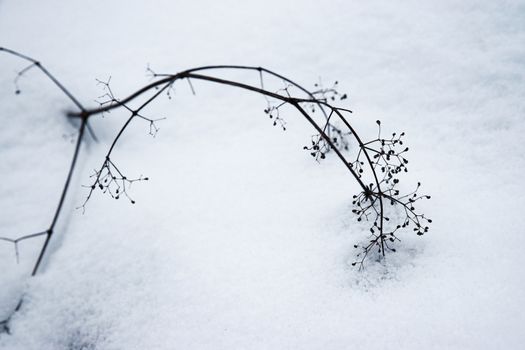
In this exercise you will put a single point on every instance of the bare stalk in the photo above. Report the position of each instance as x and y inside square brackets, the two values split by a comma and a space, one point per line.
[380, 157]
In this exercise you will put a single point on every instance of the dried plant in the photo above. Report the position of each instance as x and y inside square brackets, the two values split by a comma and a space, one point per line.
[376, 165]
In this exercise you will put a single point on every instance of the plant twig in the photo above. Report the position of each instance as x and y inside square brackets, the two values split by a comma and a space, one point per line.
[379, 158]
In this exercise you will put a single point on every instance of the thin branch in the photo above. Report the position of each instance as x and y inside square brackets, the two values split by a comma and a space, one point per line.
[380, 157]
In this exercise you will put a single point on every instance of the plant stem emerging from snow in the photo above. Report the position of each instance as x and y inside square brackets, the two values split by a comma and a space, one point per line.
[380, 159]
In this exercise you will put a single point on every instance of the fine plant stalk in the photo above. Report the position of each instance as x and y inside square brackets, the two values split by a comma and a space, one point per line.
[379, 158]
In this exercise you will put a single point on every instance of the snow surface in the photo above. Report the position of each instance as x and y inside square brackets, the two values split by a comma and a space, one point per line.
[240, 240]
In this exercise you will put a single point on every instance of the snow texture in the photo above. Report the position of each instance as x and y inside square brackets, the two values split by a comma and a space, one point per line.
[240, 240]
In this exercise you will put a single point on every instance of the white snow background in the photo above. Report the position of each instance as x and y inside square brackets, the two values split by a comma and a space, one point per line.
[240, 240]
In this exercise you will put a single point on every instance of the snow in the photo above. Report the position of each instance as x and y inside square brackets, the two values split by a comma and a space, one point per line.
[240, 240]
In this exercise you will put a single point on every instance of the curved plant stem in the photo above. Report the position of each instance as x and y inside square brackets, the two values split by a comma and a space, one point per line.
[109, 173]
